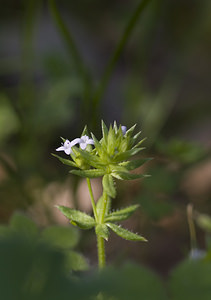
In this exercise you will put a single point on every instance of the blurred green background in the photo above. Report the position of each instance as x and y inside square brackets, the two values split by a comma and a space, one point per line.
[64, 64]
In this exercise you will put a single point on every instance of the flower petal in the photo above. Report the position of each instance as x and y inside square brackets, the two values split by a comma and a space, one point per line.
[85, 140]
[90, 142]
[75, 141]
[60, 148]
[68, 151]
[83, 146]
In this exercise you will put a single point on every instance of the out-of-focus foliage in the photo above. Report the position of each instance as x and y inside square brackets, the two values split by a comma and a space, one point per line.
[37, 270]
[156, 197]
[191, 279]
[59, 238]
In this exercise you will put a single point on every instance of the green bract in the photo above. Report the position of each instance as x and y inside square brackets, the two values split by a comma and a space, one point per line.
[109, 158]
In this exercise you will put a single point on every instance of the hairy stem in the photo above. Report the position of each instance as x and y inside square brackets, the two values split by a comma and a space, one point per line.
[100, 240]
[99, 219]
[101, 252]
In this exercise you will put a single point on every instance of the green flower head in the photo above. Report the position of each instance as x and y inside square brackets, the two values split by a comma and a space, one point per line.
[108, 156]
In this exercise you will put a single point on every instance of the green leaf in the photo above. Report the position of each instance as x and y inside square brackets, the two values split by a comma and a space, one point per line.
[128, 176]
[136, 136]
[139, 143]
[130, 131]
[92, 173]
[77, 217]
[89, 158]
[60, 237]
[99, 205]
[22, 224]
[115, 127]
[133, 164]
[99, 148]
[65, 161]
[121, 214]
[85, 131]
[115, 168]
[127, 154]
[108, 185]
[111, 141]
[102, 231]
[125, 234]
[104, 131]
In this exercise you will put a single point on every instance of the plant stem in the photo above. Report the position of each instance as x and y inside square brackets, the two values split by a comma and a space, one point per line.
[100, 240]
[101, 252]
[92, 199]
[191, 226]
[104, 210]
[100, 219]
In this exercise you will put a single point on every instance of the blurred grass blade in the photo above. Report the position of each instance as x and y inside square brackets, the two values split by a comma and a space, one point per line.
[72, 48]
[117, 52]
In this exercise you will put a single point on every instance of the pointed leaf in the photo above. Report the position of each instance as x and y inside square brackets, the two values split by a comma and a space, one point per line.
[128, 176]
[111, 142]
[108, 185]
[89, 158]
[65, 161]
[117, 168]
[130, 131]
[115, 127]
[85, 131]
[99, 147]
[102, 231]
[121, 214]
[126, 234]
[133, 164]
[127, 154]
[104, 130]
[136, 136]
[92, 173]
[77, 217]
[139, 143]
